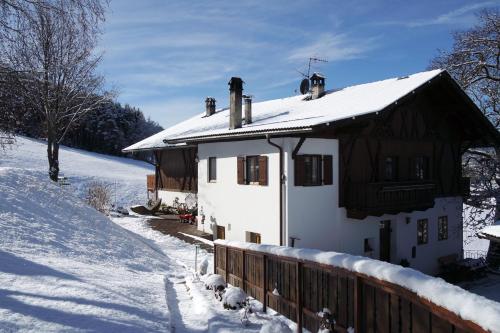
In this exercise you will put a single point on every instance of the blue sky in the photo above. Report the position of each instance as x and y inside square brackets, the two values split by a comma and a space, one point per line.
[165, 57]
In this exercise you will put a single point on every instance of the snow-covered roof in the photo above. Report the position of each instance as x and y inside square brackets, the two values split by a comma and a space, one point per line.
[296, 113]
[491, 231]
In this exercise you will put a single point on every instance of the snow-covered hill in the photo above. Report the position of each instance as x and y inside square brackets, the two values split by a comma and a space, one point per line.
[66, 267]
[127, 177]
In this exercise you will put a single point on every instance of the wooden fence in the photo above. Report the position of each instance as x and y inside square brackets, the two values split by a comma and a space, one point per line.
[356, 300]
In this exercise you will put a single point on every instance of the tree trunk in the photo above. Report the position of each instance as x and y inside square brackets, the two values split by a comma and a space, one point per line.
[53, 156]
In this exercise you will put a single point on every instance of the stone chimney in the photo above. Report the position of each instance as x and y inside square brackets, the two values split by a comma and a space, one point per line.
[235, 95]
[248, 108]
[317, 85]
[210, 106]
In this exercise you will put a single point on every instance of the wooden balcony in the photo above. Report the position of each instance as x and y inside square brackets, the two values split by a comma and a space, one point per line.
[376, 199]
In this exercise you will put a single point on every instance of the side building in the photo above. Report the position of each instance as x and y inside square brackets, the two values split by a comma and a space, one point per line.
[373, 169]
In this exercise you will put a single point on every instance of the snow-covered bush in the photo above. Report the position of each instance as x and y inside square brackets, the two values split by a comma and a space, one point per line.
[327, 322]
[275, 326]
[214, 282]
[202, 266]
[234, 298]
[98, 195]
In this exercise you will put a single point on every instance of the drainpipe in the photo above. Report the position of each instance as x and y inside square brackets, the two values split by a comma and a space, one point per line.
[282, 183]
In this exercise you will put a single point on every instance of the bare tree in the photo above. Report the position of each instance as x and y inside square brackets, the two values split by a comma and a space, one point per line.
[50, 47]
[474, 61]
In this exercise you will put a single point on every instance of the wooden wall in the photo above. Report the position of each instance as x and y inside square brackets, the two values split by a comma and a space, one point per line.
[429, 123]
[177, 169]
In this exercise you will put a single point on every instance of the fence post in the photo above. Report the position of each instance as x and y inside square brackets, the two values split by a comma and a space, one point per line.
[358, 302]
[227, 265]
[243, 259]
[298, 290]
[264, 282]
[215, 258]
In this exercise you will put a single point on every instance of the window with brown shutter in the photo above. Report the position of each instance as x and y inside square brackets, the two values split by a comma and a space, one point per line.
[327, 169]
[241, 170]
[253, 237]
[299, 170]
[313, 170]
[263, 170]
[252, 170]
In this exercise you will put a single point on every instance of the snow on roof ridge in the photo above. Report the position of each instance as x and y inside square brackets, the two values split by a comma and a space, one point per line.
[465, 304]
[294, 112]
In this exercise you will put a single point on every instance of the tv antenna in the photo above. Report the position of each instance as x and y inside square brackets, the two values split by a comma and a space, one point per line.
[304, 84]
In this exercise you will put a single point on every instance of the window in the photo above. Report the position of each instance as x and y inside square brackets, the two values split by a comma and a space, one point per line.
[253, 237]
[252, 169]
[421, 168]
[221, 232]
[442, 227]
[391, 168]
[313, 170]
[422, 231]
[212, 169]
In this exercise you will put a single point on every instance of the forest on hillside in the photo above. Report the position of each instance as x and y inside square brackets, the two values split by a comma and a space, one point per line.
[107, 129]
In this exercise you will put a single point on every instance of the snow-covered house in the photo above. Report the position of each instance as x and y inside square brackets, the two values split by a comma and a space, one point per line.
[372, 169]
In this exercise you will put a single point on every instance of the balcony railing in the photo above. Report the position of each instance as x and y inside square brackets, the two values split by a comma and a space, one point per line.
[389, 197]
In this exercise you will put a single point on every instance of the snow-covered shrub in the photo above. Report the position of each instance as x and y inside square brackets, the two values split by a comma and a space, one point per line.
[202, 266]
[327, 322]
[275, 326]
[234, 298]
[214, 282]
[98, 195]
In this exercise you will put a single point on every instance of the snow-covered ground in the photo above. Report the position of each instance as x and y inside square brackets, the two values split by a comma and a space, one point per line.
[126, 176]
[65, 267]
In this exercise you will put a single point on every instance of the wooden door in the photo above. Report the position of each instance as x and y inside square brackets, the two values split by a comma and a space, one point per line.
[385, 241]
[221, 232]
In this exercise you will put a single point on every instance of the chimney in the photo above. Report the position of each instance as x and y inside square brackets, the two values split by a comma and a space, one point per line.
[210, 106]
[317, 85]
[235, 94]
[248, 108]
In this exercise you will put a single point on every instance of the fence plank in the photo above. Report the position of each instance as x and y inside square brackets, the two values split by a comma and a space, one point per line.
[298, 291]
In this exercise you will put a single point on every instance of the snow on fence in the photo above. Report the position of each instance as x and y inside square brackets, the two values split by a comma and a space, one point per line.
[365, 294]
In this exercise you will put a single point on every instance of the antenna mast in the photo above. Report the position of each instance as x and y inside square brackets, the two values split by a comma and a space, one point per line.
[311, 60]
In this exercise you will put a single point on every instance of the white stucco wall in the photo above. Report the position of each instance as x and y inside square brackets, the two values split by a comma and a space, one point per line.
[311, 213]
[239, 208]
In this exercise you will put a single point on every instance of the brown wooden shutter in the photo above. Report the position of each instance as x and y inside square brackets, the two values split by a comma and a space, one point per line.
[241, 170]
[299, 170]
[262, 170]
[327, 169]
